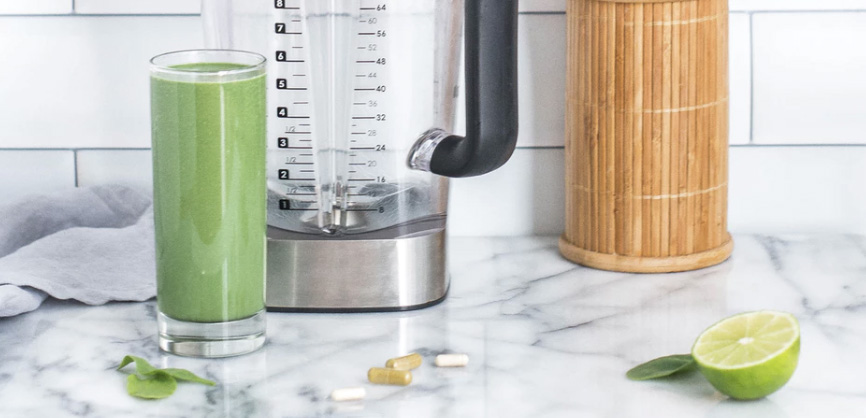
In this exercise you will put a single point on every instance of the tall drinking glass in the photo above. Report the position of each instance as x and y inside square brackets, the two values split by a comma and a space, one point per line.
[209, 140]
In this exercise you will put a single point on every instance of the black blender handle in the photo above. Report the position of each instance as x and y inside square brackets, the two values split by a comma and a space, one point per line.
[491, 93]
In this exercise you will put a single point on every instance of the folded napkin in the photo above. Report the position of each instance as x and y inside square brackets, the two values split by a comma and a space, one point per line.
[92, 244]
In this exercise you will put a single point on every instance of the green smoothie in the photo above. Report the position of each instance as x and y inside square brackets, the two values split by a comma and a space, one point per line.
[209, 193]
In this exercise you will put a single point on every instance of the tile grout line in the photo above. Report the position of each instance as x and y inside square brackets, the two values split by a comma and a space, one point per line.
[74, 149]
[806, 11]
[525, 147]
[836, 145]
[74, 13]
[540, 12]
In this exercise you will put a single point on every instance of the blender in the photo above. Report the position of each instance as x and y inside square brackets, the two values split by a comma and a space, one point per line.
[362, 98]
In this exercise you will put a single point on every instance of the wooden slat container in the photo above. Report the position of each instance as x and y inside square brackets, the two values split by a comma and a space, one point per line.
[647, 135]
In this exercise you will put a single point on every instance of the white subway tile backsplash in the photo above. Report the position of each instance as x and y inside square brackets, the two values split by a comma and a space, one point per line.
[793, 5]
[83, 81]
[541, 82]
[138, 6]
[523, 197]
[542, 5]
[808, 78]
[542, 66]
[772, 189]
[14, 7]
[798, 189]
[29, 172]
[734, 5]
[740, 78]
[541, 86]
[127, 167]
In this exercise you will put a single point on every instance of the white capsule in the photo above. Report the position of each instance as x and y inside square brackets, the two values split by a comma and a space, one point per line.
[452, 360]
[348, 394]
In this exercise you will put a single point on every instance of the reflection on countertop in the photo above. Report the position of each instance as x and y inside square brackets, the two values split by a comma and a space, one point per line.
[544, 336]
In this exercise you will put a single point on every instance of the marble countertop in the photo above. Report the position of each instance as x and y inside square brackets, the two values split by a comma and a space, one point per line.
[545, 338]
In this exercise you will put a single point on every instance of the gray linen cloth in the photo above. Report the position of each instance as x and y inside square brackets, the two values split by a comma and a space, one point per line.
[91, 244]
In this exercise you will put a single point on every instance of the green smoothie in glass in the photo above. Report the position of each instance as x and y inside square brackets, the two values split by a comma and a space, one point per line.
[209, 140]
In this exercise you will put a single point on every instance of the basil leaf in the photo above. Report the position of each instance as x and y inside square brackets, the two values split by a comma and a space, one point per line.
[157, 386]
[148, 382]
[142, 367]
[181, 374]
[661, 367]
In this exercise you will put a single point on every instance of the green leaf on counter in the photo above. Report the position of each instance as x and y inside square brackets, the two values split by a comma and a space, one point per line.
[661, 367]
[156, 386]
[148, 382]
[142, 367]
[182, 374]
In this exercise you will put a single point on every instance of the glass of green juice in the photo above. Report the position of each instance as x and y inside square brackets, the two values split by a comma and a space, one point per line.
[209, 193]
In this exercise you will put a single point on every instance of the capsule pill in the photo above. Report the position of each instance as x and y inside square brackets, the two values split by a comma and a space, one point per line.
[452, 360]
[348, 394]
[384, 376]
[407, 362]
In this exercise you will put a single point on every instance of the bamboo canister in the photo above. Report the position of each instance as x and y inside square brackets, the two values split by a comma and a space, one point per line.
[647, 135]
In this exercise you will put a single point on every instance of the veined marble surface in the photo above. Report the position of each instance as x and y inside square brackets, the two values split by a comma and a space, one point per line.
[545, 338]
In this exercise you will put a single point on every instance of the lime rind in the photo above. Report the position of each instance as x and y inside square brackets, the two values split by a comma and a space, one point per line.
[750, 355]
[721, 352]
[757, 381]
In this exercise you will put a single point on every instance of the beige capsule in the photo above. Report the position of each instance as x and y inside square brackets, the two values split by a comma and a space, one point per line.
[348, 394]
[407, 362]
[384, 376]
[452, 360]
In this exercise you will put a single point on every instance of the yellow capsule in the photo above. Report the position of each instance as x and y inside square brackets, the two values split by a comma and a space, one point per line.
[389, 376]
[407, 362]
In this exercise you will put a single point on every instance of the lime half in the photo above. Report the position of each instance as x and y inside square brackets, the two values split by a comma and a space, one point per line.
[750, 355]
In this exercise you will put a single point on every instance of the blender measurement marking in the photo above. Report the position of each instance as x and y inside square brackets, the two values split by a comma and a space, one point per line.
[368, 18]
[286, 175]
[281, 4]
[281, 29]
[286, 204]
[291, 44]
[283, 57]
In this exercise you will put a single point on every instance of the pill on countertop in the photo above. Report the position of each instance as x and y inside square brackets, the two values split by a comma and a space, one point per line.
[389, 376]
[348, 394]
[407, 362]
[452, 360]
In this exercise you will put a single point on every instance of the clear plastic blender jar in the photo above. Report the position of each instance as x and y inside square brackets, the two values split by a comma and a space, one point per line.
[362, 98]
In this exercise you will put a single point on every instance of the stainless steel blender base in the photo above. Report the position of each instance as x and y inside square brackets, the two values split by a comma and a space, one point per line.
[356, 275]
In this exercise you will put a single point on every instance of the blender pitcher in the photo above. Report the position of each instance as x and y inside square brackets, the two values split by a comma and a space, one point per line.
[361, 103]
